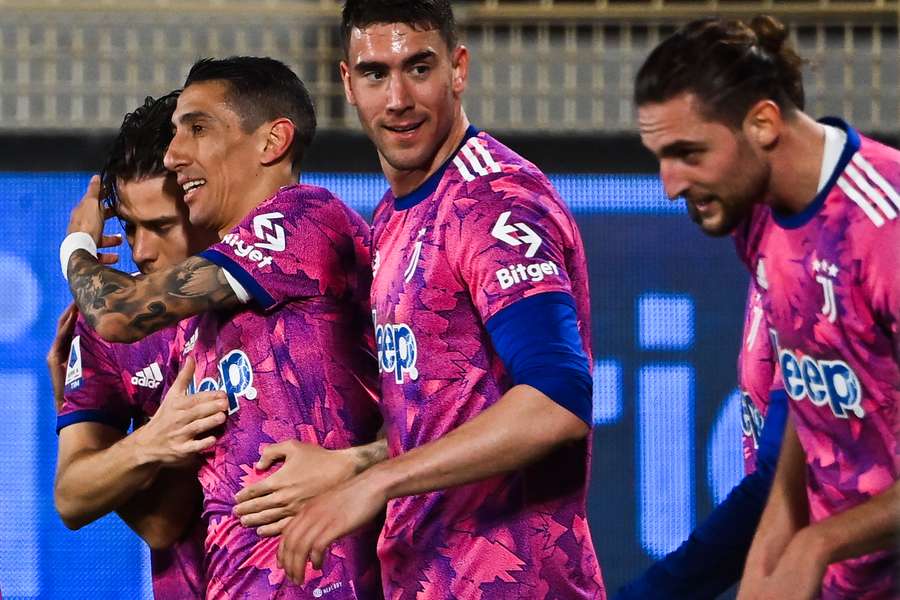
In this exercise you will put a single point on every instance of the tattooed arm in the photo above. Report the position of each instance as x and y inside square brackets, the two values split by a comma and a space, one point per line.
[122, 308]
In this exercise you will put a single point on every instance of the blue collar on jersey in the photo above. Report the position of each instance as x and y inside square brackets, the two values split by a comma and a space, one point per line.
[788, 221]
[427, 188]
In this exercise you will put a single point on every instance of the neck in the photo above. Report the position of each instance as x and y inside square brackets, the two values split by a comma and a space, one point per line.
[403, 182]
[263, 185]
[796, 165]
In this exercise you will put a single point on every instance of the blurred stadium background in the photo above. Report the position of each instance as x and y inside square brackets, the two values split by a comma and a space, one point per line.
[552, 79]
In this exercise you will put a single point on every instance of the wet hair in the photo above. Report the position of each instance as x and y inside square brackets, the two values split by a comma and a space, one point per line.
[261, 89]
[139, 148]
[728, 65]
[421, 15]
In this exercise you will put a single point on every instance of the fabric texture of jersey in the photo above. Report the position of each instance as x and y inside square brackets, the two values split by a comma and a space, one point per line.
[297, 363]
[831, 293]
[120, 385]
[757, 375]
[486, 230]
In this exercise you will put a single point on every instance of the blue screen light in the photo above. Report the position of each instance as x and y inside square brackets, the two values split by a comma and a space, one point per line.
[607, 392]
[665, 431]
[665, 321]
[724, 457]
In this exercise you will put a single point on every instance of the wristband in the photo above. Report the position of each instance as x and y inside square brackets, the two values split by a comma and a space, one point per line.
[78, 240]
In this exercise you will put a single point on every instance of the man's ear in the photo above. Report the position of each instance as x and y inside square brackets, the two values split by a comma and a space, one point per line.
[345, 79]
[763, 124]
[277, 141]
[459, 60]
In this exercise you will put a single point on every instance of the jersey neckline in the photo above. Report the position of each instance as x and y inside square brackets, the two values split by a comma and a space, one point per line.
[428, 187]
[851, 146]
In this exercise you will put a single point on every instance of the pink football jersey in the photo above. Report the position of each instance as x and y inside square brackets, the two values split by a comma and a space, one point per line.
[483, 232]
[297, 363]
[120, 385]
[831, 293]
[756, 375]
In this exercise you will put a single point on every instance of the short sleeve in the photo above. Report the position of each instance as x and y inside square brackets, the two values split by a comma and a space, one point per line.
[513, 245]
[93, 388]
[294, 246]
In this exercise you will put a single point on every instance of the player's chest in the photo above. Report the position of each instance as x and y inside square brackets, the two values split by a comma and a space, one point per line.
[412, 267]
[811, 289]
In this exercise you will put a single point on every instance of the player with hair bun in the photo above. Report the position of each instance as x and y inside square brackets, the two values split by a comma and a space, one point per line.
[815, 213]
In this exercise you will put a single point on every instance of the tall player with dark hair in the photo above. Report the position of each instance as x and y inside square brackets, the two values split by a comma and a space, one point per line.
[815, 213]
[487, 416]
[104, 388]
[282, 301]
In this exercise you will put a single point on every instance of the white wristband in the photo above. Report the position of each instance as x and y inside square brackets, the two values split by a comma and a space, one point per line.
[75, 241]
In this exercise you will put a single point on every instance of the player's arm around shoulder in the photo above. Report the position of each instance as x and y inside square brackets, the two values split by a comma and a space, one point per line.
[122, 308]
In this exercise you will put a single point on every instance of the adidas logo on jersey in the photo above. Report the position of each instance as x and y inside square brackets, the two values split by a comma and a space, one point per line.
[189, 346]
[869, 190]
[148, 377]
[474, 160]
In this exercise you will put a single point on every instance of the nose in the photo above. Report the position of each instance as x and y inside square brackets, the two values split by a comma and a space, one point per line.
[175, 154]
[674, 182]
[399, 98]
[143, 249]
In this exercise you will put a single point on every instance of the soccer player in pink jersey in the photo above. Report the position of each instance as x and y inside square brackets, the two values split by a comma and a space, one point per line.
[283, 326]
[103, 388]
[482, 322]
[815, 212]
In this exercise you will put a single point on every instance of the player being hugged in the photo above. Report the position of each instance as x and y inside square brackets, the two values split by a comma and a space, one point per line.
[149, 477]
[482, 322]
[815, 213]
[283, 327]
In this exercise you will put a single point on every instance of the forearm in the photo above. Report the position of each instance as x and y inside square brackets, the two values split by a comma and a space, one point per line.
[787, 509]
[95, 482]
[521, 427]
[122, 308]
[868, 527]
[365, 457]
[163, 513]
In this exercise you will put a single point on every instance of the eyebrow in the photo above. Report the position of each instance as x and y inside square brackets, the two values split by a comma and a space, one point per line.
[157, 222]
[679, 148]
[374, 65]
[193, 116]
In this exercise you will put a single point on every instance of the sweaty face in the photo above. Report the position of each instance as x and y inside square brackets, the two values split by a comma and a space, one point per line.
[712, 166]
[406, 86]
[214, 158]
[156, 223]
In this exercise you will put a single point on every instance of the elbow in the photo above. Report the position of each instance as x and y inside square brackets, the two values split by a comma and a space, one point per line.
[114, 330]
[159, 538]
[71, 517]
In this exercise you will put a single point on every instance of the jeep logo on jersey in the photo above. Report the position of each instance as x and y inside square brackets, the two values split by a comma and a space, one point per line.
[751, 419]
[272, 234]
[397, 350]
[830, 382]
[235, 378]
[504, 232]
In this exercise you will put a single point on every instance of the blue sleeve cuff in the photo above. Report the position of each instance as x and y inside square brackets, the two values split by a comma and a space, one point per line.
[250, 284]
[772, 433]
[549, 357]
[92, 416]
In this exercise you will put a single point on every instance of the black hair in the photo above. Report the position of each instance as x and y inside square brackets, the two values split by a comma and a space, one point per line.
[418, 14]
[728, 65]
[262, 89]
[140, 146]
